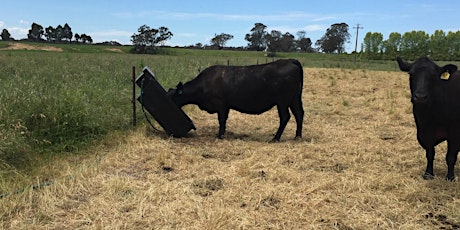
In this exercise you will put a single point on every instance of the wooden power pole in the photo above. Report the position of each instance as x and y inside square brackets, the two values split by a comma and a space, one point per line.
[356, 43]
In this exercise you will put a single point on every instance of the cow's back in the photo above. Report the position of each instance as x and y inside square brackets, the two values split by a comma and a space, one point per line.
[255, 89]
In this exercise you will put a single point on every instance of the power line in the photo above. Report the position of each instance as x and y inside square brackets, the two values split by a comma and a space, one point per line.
[357, 27]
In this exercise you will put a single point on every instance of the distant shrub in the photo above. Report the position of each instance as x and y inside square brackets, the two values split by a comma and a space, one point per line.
[143, 50]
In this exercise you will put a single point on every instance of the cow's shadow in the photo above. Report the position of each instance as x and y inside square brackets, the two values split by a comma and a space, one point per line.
[209, 133]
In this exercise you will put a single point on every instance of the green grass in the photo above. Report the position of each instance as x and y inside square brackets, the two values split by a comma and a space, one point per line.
[3, 45]
[55, 102]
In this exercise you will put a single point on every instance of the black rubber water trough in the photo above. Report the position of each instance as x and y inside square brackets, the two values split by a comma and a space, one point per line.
[153, 98]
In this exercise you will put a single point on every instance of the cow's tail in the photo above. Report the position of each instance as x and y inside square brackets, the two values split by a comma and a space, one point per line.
[297, 63]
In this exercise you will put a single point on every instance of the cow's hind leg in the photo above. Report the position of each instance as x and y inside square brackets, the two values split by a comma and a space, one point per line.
[222, 117]
[297, 110]
[451, 158]
[284, 115]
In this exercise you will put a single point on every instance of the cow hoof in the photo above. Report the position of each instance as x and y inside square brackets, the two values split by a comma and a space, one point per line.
[428, 176]
[274, 141]
[298, 138]
[220, 137]
[450, 179]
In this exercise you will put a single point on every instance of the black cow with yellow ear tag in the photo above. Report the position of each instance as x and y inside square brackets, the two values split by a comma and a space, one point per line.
[435, 96]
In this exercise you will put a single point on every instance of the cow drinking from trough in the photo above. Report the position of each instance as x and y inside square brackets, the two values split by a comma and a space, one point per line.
[247, 89]
[435, 95]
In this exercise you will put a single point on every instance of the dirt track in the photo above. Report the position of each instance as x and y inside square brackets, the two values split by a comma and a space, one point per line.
[21, 46]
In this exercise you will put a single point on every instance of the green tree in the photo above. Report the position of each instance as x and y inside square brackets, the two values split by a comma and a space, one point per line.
[257, 38]
[439, 48]
[303, 43]
[162, 36]
[6, 36]
[333, 41]
[288, 42]
[86, 38]
[50, 34]
[415, 44]
[147, 39]
[278, 42]
[59, 33]
[36, 32]
[198, 45]
[373, 45]
[220, 40]
[453, 40]
[273, 40]
[77, 37]
[392, 45]
[67, 33]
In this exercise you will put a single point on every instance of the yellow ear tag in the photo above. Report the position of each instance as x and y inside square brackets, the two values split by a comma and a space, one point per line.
[445, 76]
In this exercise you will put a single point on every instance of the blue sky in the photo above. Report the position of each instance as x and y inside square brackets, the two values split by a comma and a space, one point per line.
[197, 21]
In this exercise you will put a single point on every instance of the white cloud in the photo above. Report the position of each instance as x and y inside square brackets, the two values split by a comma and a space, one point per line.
[111, 33]
[324, 18]
[120, 36]
[187, 35]
[17, 32]
[173, 15]
[24, 22]
[316, 27]
[285, 16]
[293, 30]
[123, 15]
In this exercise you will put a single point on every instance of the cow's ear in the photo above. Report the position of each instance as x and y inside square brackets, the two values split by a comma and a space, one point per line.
[449, 68]
[403, 65]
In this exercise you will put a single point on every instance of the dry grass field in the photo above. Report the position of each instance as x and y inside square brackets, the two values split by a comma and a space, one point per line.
[358, 166]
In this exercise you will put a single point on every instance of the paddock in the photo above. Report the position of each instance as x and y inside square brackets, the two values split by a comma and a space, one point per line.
[358, 166]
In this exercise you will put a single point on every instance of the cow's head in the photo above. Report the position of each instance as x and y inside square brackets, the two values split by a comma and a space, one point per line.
[176, 94]
[423, 75]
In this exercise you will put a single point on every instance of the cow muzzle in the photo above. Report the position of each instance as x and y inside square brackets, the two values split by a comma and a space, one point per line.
[419, 99]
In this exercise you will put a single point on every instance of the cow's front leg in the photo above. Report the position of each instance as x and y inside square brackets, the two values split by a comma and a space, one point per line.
[428, 175]
[222, 117]
[451, 158]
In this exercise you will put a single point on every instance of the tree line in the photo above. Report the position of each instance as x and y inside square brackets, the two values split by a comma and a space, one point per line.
[412, 45]
[60, 34]
[259, 39]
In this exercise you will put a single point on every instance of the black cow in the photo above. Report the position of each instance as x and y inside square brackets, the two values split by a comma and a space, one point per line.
[247, 89]
[436, 106]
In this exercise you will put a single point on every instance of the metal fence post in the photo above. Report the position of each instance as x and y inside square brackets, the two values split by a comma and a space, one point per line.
[134, 95]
